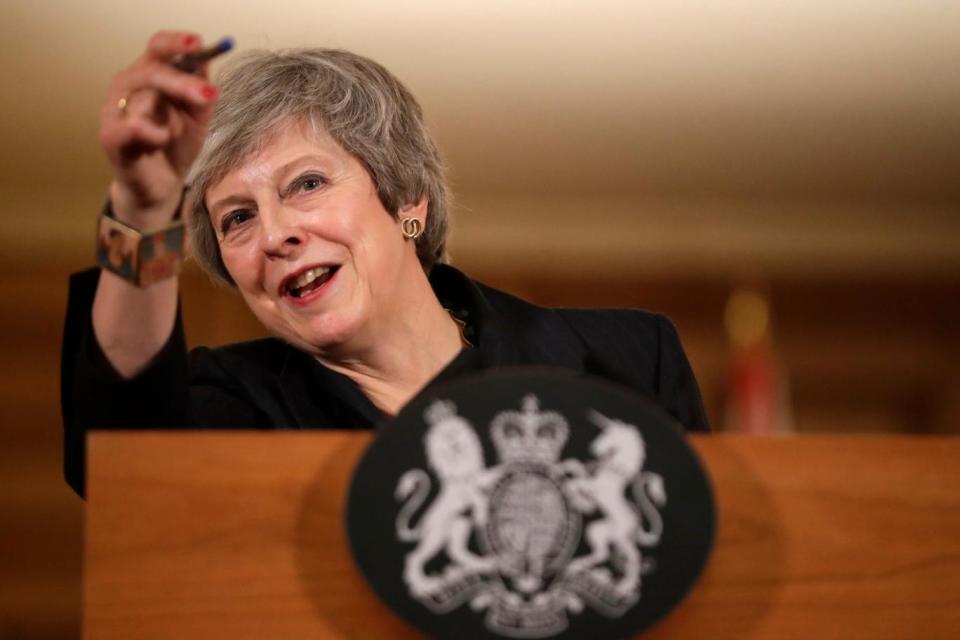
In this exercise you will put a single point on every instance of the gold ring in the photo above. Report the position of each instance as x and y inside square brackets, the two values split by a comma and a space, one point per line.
[122, 105]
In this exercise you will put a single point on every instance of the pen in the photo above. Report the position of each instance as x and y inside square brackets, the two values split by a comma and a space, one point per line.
[190, 62]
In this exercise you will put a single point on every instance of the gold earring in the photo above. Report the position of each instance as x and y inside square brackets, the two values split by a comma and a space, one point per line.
[411, 228]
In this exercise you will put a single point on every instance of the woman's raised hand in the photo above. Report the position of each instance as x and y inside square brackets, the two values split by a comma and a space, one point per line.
[152, 125]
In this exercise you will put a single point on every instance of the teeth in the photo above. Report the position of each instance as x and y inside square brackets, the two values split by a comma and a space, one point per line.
[308, 276]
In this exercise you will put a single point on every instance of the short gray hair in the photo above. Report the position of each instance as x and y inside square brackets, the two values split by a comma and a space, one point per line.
[360, 104]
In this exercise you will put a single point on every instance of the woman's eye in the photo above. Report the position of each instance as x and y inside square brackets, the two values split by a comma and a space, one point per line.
[233, 219]
[308, 183]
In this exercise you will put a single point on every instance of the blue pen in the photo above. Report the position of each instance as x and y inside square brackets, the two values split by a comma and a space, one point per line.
[190, 62]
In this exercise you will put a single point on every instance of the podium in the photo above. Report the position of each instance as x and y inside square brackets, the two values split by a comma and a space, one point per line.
[240, 535]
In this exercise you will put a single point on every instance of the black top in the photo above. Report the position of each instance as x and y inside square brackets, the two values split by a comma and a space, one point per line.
[268, 384]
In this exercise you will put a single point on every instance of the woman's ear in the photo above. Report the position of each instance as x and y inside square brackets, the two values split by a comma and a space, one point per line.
[416, 210]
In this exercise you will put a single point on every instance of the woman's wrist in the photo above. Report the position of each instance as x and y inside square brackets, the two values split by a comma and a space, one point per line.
[144, 213]
[144, 254]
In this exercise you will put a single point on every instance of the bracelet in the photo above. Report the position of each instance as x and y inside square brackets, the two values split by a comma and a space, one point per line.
[141, 258]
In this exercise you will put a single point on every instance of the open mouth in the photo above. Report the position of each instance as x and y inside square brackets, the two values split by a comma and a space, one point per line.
[309, 280]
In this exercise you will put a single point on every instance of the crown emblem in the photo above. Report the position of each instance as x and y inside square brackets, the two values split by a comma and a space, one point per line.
[530, 435]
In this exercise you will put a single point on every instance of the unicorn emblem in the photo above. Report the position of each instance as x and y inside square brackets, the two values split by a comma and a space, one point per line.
[620, 453]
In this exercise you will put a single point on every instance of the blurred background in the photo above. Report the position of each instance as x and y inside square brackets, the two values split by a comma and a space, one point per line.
[781, 178]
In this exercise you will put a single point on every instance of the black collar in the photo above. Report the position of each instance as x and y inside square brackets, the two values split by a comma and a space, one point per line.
[312, 390]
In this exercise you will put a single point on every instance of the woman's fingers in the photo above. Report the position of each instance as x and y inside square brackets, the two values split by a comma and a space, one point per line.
[153, 120]
[142, 131]
[192, 91]
[141, 100]
[166, 45]
[140, 87]
[137, 133]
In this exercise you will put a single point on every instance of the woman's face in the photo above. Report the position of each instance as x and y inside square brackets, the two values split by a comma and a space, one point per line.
[312, 250]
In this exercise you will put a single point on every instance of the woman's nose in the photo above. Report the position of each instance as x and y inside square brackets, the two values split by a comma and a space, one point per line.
[282, 233]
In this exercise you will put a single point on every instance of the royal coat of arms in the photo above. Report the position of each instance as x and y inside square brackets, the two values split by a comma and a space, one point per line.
[534, 537]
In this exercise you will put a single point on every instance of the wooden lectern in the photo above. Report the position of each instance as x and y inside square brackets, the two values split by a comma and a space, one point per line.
[240, 535]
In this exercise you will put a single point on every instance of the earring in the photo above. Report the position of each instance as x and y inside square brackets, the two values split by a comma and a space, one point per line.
[411, 228]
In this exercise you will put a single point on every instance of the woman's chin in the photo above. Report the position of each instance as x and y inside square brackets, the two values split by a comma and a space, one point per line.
[325, 335]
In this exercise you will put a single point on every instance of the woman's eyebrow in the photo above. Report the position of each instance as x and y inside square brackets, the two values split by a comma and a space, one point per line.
[285, 168]
[229, 200]
[278, 173]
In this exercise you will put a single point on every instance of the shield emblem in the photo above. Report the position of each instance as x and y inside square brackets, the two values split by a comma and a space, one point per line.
[531, 528]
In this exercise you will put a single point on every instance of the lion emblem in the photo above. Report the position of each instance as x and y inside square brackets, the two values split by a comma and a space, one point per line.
[455, 454]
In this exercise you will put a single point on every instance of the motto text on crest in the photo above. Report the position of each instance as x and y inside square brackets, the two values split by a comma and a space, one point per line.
[505, 539]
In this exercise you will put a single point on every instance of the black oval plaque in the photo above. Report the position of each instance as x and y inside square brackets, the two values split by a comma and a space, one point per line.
[530, 504]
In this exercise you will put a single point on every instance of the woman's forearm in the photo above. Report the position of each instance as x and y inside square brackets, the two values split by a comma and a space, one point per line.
[152, 124]
[132, 324]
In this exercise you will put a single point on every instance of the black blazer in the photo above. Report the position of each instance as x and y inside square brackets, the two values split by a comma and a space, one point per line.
[268, 384]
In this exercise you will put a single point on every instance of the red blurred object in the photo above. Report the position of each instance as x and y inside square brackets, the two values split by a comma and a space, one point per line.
[754, 391]
[758, 399]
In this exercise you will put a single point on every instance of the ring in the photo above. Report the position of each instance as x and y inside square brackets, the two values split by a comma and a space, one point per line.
[122, 105]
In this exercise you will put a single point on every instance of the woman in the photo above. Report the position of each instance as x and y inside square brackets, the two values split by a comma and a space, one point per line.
[317, 192]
